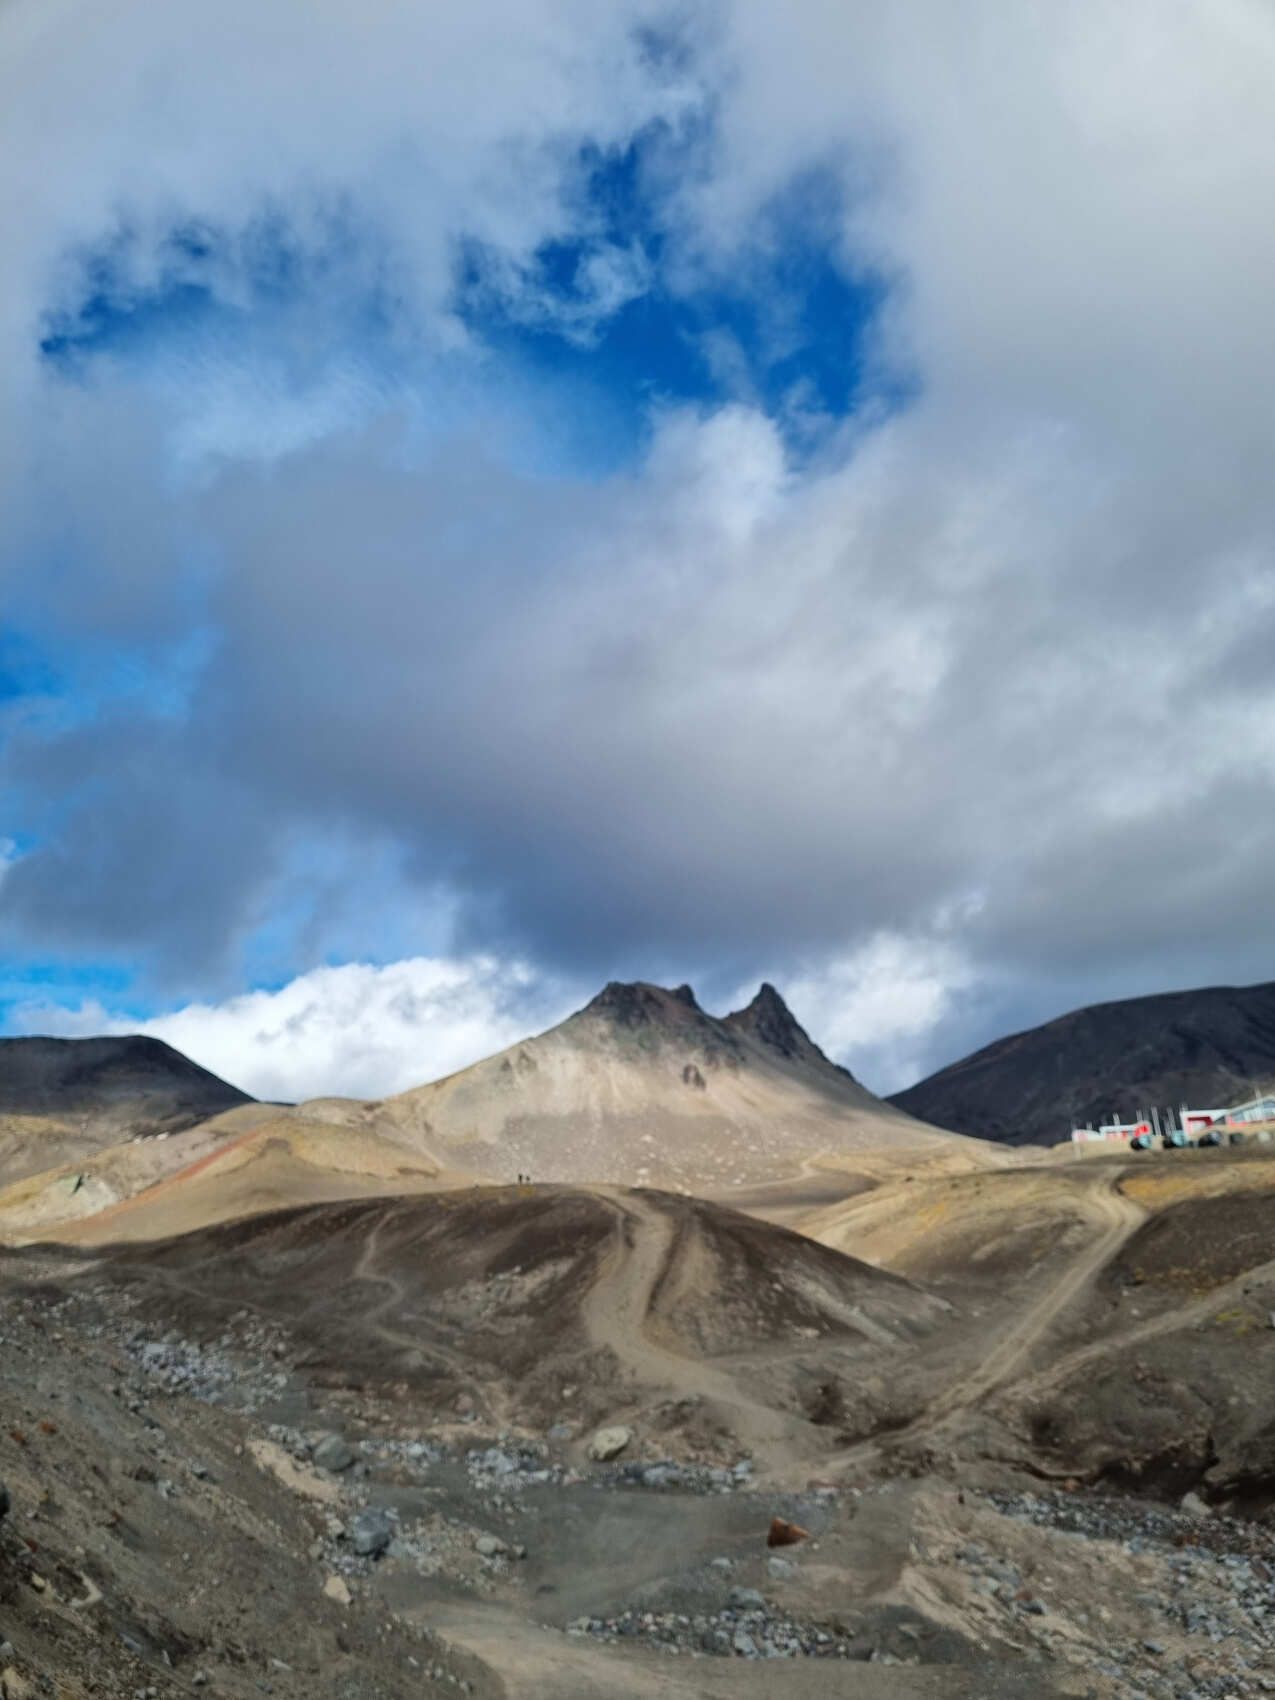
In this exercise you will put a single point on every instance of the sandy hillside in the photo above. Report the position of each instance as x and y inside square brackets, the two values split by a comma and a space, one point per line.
[238, 1165]
[642, 1087]
[1125, 1303]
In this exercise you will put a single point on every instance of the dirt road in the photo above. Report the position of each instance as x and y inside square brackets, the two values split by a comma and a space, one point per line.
[620, 1314]
[1118, 1218]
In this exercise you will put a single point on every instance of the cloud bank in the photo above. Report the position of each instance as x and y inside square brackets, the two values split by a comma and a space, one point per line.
[355, 1030]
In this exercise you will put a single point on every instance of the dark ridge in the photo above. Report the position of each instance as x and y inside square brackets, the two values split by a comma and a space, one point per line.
[769, 1019]
[109, 1076]
[637, 1004]
[1207, 1048]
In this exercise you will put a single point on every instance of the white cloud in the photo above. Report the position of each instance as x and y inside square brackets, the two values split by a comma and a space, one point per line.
[876, 1008]
[357, 1030]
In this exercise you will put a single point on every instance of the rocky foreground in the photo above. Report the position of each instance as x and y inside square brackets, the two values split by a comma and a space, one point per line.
[188, 1510]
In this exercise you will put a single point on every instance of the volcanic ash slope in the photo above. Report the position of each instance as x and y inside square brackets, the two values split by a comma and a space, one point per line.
[690, 1322]
[643, 1087]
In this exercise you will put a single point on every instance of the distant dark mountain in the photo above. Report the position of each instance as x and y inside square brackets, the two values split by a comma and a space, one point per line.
[1205, 1048]
[63, 1098]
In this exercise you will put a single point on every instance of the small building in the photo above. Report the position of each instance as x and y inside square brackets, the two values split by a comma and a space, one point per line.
[1255, 1110]
[1113, 1133]
[1195, 1121]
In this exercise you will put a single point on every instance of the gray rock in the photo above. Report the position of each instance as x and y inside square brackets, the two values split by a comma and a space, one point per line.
[490, 1546]
[332, 1453]
[659, 1475]
[370, 1533]
[1194, 1506]
[782, 1569]
[745, 1599]
[744, 1644]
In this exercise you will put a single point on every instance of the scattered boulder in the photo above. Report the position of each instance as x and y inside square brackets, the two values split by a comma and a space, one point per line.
[490, 1546]
[1194, 1506]
[784, 1534]
[336, 1588]
[370, 1533]
[608, 1443]
[332, 1453]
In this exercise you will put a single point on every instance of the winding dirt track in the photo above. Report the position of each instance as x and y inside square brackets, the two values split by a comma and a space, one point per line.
[1120, 1218]
[419, 1348]
[619, 1315]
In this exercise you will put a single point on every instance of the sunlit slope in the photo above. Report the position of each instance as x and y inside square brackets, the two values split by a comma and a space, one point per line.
[643, 1086]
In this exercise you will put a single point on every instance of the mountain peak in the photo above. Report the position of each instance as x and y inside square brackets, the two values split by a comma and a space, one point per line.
[769, 1019]
[637, 1003]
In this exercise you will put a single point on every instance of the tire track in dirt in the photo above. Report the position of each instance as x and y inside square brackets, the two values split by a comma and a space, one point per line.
[619, 1316]
[1120, 1218]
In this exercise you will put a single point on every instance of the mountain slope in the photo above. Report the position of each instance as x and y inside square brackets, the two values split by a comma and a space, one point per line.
[636, 1300]
[1208, 1047]
[643, 1086]
[245, 1163]
[61, 1099]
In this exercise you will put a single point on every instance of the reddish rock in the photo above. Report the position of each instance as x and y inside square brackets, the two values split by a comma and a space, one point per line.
[785, 1534]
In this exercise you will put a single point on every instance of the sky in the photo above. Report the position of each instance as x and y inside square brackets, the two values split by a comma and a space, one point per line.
[499, 498]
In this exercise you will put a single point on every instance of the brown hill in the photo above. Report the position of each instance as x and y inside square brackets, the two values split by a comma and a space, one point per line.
[1209, 1047]
[61, 1099]
[666, 1313]
[642, 1086]
[245, 1163]
[1164, 1382]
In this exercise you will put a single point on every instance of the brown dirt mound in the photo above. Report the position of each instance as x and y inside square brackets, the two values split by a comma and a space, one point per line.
[642, 1303]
